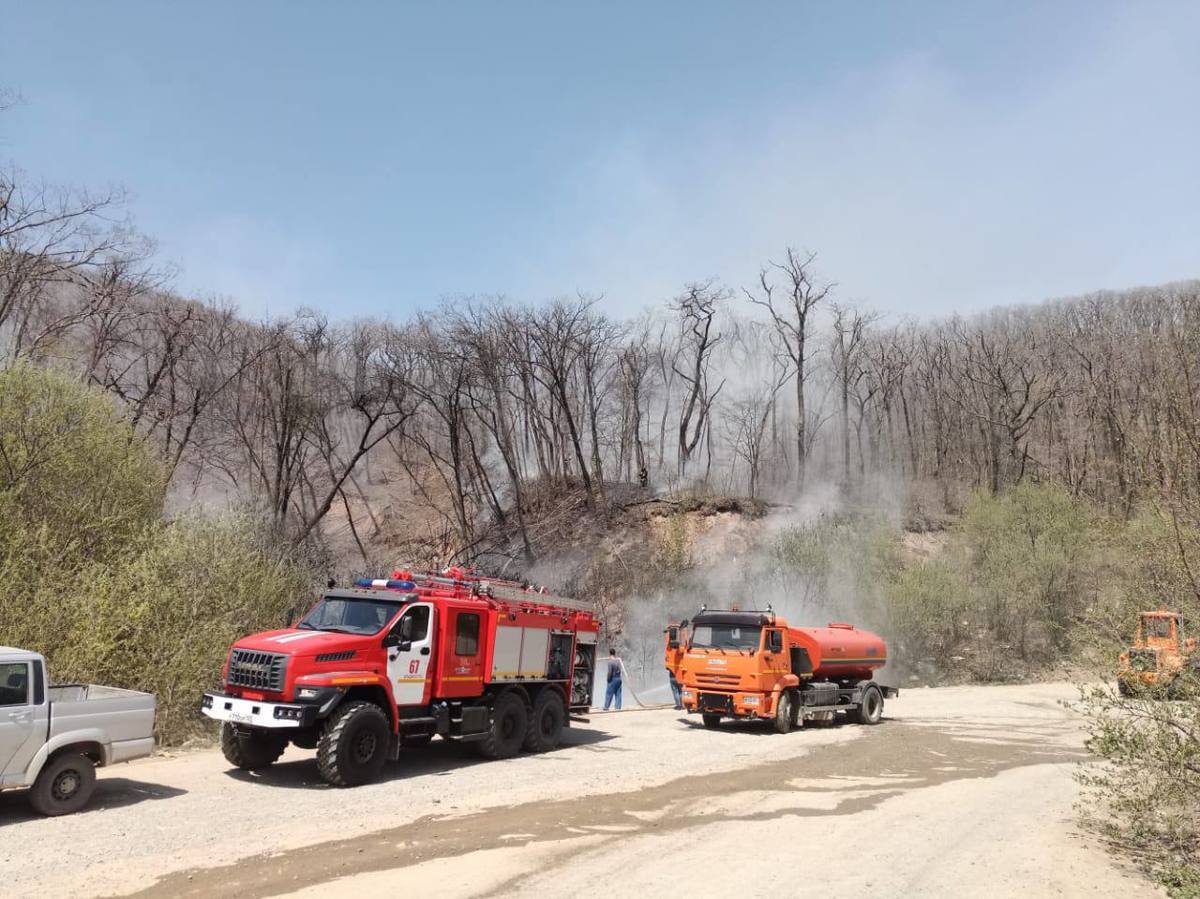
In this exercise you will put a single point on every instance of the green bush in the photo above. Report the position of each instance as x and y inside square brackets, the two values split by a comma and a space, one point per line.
[929, 607]
[1029, 561]
[1144, 796]
[74, 480]
[92, 576]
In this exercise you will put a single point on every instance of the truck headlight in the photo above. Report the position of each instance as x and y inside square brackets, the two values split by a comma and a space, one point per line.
[688, 694]
[749, 700]
[308, 693]
[206, 701]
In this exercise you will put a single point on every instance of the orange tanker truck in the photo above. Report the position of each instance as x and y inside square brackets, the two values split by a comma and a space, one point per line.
[738, 664]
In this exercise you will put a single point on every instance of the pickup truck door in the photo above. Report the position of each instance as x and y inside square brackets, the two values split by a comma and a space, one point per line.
[21, 727]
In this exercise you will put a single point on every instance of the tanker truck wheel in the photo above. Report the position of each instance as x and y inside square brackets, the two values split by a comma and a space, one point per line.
[711, 720]
[785, 713]
[250, 750]
[871, 709]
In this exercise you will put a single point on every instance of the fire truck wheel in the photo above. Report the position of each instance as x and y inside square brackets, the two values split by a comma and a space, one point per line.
[510, 723]
[64, 785]
[711, 720]
[871, 709]
[354, 744]
[1124, 688]
[546, 725]
[784, 713]
[250, 750]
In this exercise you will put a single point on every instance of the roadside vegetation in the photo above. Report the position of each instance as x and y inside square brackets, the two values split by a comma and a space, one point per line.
[93, 575]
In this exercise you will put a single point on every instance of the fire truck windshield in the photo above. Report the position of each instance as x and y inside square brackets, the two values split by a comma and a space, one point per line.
[350, 615]
[726, 636]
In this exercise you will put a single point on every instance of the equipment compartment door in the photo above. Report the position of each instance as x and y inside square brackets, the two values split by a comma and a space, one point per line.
[409, 662]
[462, 653]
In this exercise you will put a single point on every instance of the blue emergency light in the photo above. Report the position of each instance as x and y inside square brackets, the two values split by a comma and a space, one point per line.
[384, 583]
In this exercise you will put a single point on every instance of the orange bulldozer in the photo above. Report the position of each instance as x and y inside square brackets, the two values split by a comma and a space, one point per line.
[1161, 658]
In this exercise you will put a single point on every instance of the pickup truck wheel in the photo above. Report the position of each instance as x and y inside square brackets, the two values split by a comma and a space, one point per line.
[711, 720]
[354, 744]
[64, 786]
[784, 713]
[510, 723]
[546, 724]
[250, 750]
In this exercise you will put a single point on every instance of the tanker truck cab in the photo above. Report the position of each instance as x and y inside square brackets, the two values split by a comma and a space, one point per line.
[751, 664]
[394, 662]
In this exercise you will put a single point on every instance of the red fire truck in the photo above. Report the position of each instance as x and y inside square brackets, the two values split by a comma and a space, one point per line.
[394, 662]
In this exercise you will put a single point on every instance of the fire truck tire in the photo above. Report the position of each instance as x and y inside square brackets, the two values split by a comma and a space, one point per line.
[250, 750]
[870, 711]
[785, 713]
[1124, 688]
[509, 725]
[64, 785]
[711, 720]
[546, 723]
[354, 744]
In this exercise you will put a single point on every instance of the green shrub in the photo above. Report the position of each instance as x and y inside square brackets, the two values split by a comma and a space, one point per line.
[93, 577]
[74, 480]
[1144, 795]
[929, 605]
[1029, 560]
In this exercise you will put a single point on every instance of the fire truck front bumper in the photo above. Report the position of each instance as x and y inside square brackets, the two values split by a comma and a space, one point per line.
[258, 713]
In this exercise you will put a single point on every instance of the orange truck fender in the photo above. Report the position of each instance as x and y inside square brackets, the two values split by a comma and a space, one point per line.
[786, 682]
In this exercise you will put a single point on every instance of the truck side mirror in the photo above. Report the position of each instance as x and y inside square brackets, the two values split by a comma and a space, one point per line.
[775, 641]
[672, 638]
[391, 639]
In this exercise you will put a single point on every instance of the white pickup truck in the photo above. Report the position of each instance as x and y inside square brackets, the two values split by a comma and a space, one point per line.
[53, 738]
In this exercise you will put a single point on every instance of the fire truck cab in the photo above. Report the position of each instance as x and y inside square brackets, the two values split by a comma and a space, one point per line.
[395, 662]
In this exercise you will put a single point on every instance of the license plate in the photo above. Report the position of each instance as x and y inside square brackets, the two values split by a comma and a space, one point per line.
[241, 718]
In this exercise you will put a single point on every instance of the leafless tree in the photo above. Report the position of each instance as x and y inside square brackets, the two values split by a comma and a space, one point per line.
[697, 310]
[790, 294]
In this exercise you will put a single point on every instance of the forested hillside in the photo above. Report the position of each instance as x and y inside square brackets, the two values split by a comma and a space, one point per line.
[469, 412]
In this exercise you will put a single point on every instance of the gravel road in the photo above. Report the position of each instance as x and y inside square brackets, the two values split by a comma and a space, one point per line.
[961, 791]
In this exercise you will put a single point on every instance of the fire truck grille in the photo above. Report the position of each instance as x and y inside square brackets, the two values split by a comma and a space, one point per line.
[717, 680]
[257, 670]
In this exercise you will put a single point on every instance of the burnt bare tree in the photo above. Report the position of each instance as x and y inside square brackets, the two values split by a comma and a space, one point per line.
[789, 293]
[697, 311]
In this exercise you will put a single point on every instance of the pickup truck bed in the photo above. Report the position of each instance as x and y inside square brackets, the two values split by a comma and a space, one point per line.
[126, 717]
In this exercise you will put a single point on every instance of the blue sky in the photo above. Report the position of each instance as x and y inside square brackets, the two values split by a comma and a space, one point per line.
[371, 158]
